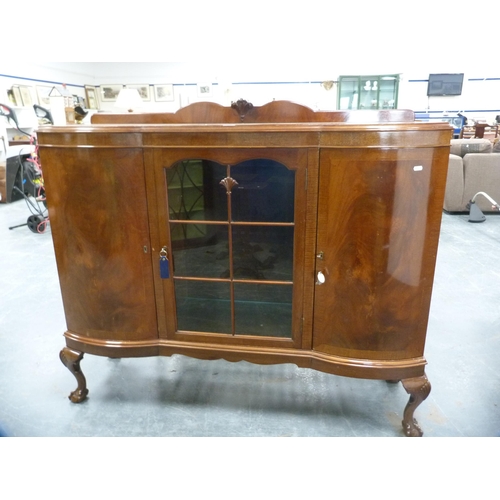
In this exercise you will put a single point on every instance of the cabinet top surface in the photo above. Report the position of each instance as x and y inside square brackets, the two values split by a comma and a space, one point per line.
[288, 135]
[245, 127]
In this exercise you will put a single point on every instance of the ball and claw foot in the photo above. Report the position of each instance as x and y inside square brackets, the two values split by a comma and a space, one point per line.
[412, 429]
[71, 360]
[418, 388]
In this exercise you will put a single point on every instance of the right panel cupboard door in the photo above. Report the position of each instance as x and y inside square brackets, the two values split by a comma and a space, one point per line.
[375, 251]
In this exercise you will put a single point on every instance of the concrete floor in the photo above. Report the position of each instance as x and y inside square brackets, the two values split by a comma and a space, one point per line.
[179, 396]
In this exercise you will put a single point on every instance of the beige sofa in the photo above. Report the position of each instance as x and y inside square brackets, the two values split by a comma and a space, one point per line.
[474, 166]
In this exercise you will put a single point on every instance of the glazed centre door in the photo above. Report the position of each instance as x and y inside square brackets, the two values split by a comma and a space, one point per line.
[231, 226]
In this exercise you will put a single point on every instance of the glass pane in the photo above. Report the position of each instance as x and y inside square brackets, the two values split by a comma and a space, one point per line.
[348, 93]
[203, 306]
[264, 310]
[194, 192]
[265, 192]
[369, 93]
[263, 252]
[387, 92]
[200, 250]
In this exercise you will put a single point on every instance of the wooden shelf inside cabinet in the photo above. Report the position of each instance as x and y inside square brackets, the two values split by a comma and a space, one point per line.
[290, 236]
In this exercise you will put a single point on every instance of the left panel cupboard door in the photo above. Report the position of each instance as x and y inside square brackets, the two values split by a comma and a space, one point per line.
[99, 219]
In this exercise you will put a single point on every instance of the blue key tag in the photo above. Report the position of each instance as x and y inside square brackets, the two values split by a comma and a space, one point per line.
[164, 264]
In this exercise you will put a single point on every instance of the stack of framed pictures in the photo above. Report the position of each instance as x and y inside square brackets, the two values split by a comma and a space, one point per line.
[161, 92]
[21, 96]
[26, 96]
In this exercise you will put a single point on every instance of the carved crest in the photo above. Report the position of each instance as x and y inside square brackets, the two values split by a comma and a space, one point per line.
[242, 107]
[228, 183]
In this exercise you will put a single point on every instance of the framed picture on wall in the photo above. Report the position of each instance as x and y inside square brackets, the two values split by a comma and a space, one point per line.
[110, 92]
[91, 97]
[42, 92]
[164, 93]
[143, 90]
[26, 96]
[204, 90]
[16, 92]
[11, 98]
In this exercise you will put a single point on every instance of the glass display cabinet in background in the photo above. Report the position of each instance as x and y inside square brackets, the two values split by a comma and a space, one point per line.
[368, 92]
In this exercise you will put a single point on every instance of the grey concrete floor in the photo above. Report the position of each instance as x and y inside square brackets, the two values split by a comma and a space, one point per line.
[179, 396]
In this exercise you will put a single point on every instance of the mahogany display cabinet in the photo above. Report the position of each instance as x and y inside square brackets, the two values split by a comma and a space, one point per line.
[271, 234]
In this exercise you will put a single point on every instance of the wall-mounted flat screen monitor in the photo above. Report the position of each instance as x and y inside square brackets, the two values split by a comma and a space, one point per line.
[445, 84]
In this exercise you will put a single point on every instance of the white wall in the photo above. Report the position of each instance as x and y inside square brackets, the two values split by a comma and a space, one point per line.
[75, 75]
[260, 82]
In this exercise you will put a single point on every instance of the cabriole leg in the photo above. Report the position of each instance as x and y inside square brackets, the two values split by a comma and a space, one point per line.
[418, 388]
[71, 360]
